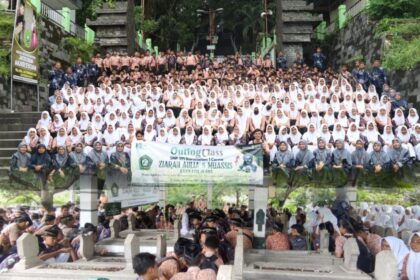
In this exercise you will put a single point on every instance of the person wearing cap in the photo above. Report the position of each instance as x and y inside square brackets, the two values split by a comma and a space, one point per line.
[278, 240]
[212, 222]
[231, 236]
[55, 252]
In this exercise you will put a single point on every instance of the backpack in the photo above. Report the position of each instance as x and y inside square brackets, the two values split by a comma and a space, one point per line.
[209, 263]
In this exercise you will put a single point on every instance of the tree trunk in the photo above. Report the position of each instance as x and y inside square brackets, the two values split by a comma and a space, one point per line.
[47, 198]
[286, 195]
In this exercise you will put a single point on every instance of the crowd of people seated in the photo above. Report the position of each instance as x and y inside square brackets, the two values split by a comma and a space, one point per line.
[305, 117]
[209, 237]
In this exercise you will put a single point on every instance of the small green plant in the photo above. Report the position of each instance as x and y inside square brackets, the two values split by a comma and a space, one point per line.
[379, 9]
[148, 26]
[6, 31]
[77, 47]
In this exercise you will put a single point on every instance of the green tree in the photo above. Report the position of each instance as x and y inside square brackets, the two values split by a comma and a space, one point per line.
[380, 9]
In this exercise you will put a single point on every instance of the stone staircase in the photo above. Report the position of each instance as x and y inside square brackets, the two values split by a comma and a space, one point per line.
[13, 127]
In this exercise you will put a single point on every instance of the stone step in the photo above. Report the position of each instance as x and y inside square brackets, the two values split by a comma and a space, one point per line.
[13, 134]
[4, 161]
[8, 126]
[20, 115]
[7, 152]
[4, 171]
[10, 143]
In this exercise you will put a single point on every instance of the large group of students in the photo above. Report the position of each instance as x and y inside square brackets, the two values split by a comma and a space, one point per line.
[209, 237]
[304, 116]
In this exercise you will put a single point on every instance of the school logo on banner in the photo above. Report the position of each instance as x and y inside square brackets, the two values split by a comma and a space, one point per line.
[145, 162]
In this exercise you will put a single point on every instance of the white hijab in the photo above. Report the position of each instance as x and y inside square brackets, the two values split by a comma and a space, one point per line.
[413, 264]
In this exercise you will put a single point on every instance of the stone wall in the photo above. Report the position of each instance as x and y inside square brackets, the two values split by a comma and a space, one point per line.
[356, 40]
[25, 98]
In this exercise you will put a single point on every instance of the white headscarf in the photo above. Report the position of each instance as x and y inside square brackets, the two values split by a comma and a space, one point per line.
[413, 264]
[206, 139]
[399, 120]
[160, 138]
[149, 135]
[174, 139]
[399, 249]
[270, 137]
[44, 122]
[189, 138]
[413, 120]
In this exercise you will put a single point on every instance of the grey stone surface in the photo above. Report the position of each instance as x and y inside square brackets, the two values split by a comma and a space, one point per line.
[87, 247]
[131, 248]
[386, 267]
[238, 263]
[88, 197]
[351, 253]
[324, 241]
[27, 247]
[131, 222]
[225, 272]
[177, 229]
[115, 227]
[161, 246]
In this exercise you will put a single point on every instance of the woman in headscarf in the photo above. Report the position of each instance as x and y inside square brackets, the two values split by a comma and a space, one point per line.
[359, 159]
[242, 121]
[399, 156]
[62, 139]
[311, 137]
[183, 121]
[304, 158]
[44, 121]
[109, 138]
[329, 119]
[338, 133]
[378, 159]
[280, 119]
[198, 121]
[169, 121]
[372, 136]
[341, 158]
[284, 158]
[398, 248]
[322, 158]
[411, 263]
[79, 158]
[303, 121]
[31, 140]
[221, 138]
[271, 138]
[71, 121]
[84, 122]
[342, 119]
[352, 135]
[412, 118]
[98, 124]
[41, 162]
[387, 137]
[189, 137]
[295, 137]
[174, 136]
[45, 138]
[415, 140]
[63, 168]
[404, 136]
[399, 118]
[236, 138]
[19, 164]
[90, 138]
[149, 133]
[257, 120]
[75, 137]
[399, 103]
[98, 160]
[56, 124]
[206, 138]
[120, 166]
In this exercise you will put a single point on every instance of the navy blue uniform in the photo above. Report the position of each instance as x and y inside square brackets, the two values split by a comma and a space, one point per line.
[70, 78]
[379, 78]
[80, 71]
[93, 73]
[55, 78]
[319, 60]
[281, 62]
[362, 77]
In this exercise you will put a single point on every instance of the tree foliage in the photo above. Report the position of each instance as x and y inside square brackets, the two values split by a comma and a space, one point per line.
[77, 47]
[380, 9]
[6, 31]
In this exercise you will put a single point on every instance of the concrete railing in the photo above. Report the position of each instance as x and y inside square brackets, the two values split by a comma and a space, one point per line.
[356, 9]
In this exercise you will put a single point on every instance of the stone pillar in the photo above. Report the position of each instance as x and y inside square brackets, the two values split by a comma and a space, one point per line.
[88, 199]
[251, 194]
[225, 272]
[115, 227]
[238, 263]
[347, 193]
[131, 249]
[72, 193]
[27, 249]
[161, 246]
[209, 196]
[260, 200]
[177, 229]
[87, 247]
[324, 241]
[131, 222]
[351, 254]
[386, 267]
[162, 196]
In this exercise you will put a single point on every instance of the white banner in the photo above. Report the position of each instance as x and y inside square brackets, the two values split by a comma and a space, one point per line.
[164, 164]
[133, 195]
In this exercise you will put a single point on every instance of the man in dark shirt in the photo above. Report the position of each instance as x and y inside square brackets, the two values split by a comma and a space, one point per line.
[362, 76]
[55, 78]
[69, 77]
[93, 71]
[378, 76]
[281, 61]
[319, 59]
[80, 71]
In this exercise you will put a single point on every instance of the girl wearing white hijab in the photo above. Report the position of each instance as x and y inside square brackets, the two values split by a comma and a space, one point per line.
[335, 103]
[189, 137]
[44, 121]
[169, 121]
[76, 137]
[57, 123]
[206, 138]
[387, 137]
[415, 139]
[360, 103]
[162, 137]
[221, 137]
[368, 117]
[311, 137]
[329, 118]
[31, 139]
[283, 136]
[347, 103]
[109, 138]
[111, 119]
[338, 133]
[174, 136]
[411, 267]
[71, 121]
[62, 139]
[149, 133]
[84, 121]
[325, 134]
[270, 140]
[90, 137]
[280, 119]
[97, 123]
[303, 121]
[412, 117]
[403, 134]
[353, 134]
[123, 120]
[398, 248]
[372, 135]
[398, 118]
[295, 136]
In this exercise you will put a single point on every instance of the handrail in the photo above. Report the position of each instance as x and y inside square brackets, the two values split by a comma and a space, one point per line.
[356, 8]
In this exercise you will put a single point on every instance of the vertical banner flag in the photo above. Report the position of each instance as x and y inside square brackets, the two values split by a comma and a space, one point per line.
[164, 164]
[25, 64]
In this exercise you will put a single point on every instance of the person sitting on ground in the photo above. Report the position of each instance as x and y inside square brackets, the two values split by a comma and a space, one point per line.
[278, 240]
[378, 159]
[55, 252]
[398, 249]
[411, 266]
[145, 266]
[399, 156]
[231, 236]
[297, 239]
[10, 234]
[210, 258]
